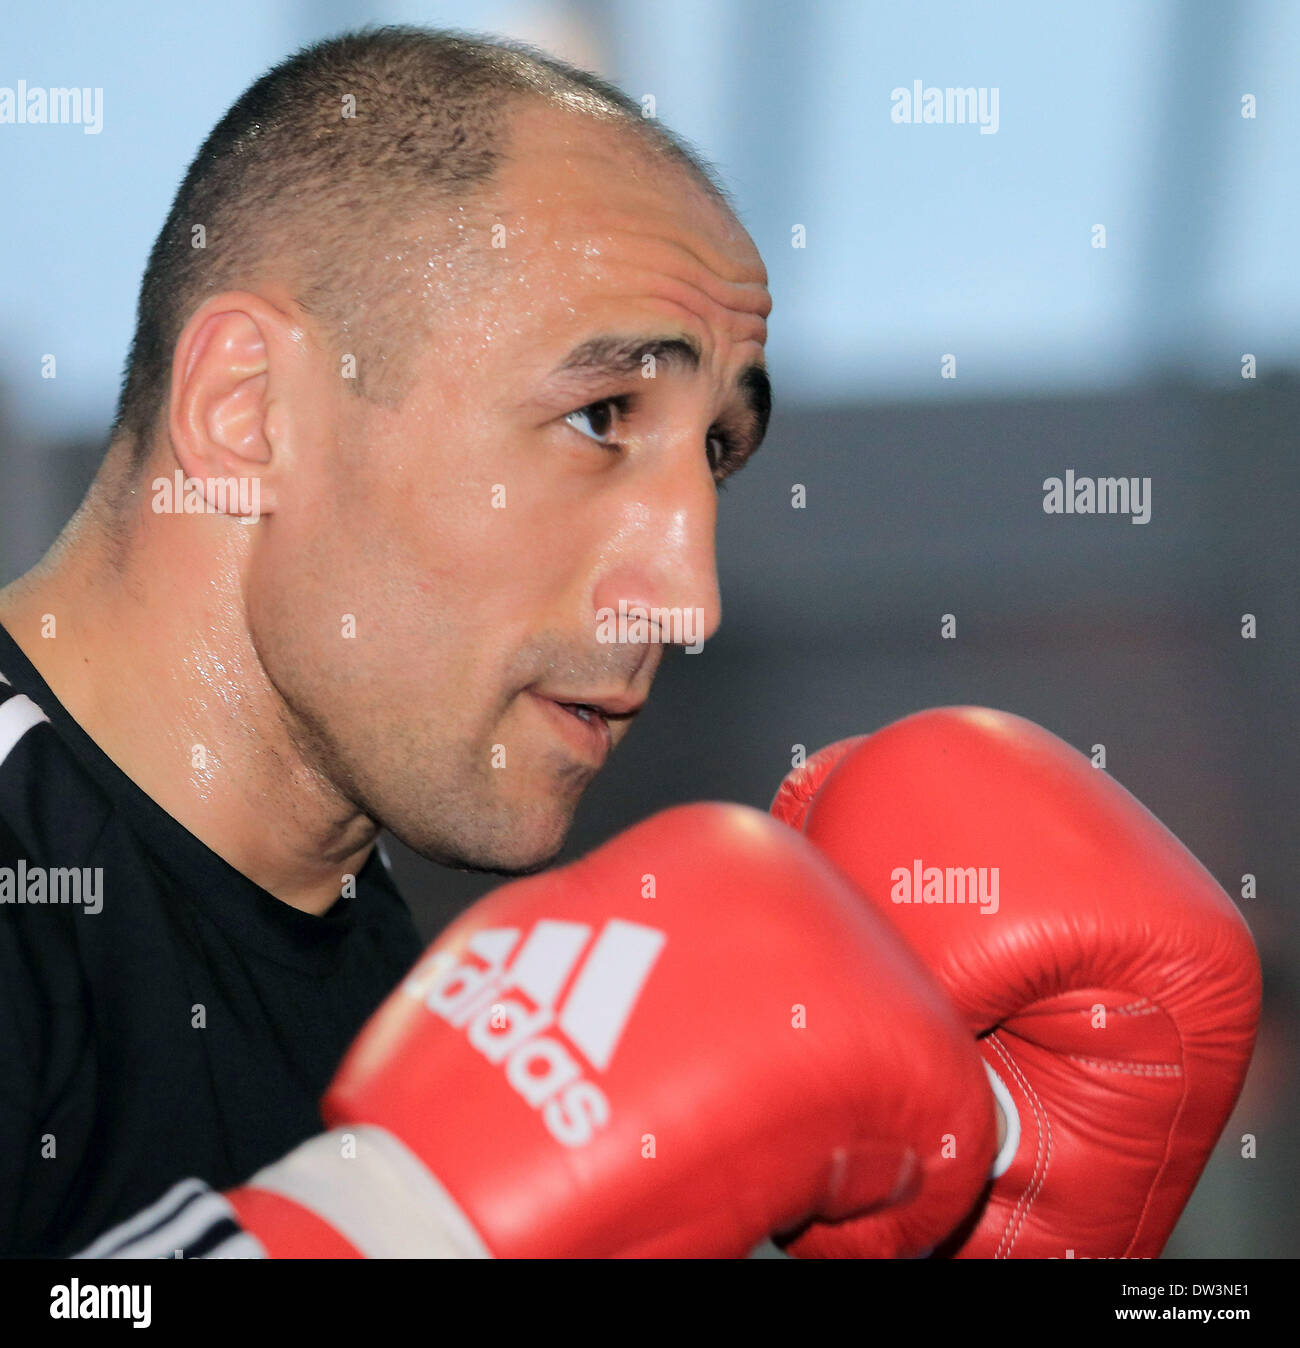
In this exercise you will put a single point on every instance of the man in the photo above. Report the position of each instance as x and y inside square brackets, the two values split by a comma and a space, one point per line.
[442, 352]
[442, 355]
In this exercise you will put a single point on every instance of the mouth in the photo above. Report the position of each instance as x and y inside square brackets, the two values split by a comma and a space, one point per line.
[585, 724]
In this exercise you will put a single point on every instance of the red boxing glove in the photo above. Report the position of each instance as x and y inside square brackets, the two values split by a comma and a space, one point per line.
[1114, 985]
[691, 1039]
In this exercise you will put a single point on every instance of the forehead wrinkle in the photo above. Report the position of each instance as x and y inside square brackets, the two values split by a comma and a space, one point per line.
[612, 281]
[737, 325]
[588, 227]
[701, 271]
[731, 259]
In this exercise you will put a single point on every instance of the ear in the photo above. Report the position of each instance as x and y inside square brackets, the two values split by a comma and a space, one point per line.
[224, 369]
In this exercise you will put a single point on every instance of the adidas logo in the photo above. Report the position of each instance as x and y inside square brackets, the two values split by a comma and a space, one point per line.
[534, 1032]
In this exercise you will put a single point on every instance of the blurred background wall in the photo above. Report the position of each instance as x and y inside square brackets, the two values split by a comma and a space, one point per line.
[923, 493]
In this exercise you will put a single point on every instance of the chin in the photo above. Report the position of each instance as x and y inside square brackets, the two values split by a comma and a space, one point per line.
[507, 867]
[512, 842]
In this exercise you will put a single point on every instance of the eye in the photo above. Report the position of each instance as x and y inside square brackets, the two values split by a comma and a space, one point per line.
[723, 458]
[600, 418]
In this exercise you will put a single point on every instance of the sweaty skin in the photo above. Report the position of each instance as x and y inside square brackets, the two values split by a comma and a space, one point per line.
[379, 647]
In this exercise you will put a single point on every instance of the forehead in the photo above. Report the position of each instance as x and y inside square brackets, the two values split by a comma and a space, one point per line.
[588, 216]
[562, 165]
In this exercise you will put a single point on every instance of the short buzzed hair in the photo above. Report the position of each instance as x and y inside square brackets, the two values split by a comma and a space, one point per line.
[328, 159]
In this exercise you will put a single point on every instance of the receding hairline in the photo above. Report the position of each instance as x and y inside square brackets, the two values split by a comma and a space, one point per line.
[282, 180]
[485, 202]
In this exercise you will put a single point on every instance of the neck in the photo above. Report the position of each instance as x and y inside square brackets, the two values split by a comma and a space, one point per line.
[138, 624]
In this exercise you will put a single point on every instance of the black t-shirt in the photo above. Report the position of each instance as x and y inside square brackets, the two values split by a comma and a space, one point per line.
[189, 1026]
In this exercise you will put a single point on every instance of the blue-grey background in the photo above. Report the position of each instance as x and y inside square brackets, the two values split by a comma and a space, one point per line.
[924, 494]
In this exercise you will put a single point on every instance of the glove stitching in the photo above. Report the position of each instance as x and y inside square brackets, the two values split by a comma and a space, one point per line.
[1143, 1069]
[1017, 1218]
[1011, 1219]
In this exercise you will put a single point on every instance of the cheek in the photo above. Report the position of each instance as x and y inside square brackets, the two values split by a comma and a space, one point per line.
[501, 564]
[482, 534]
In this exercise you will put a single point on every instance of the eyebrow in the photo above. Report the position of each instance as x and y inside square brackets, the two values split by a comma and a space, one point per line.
[614, 357]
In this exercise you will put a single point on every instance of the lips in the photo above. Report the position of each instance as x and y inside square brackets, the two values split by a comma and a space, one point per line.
[582, 725]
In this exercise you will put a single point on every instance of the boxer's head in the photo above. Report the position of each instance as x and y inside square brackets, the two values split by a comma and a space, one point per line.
[485, 341]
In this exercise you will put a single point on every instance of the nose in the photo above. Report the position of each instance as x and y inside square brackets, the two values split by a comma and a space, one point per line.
[662, 562]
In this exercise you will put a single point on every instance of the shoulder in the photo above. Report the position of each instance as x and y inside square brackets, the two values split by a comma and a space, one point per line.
[51, 810]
